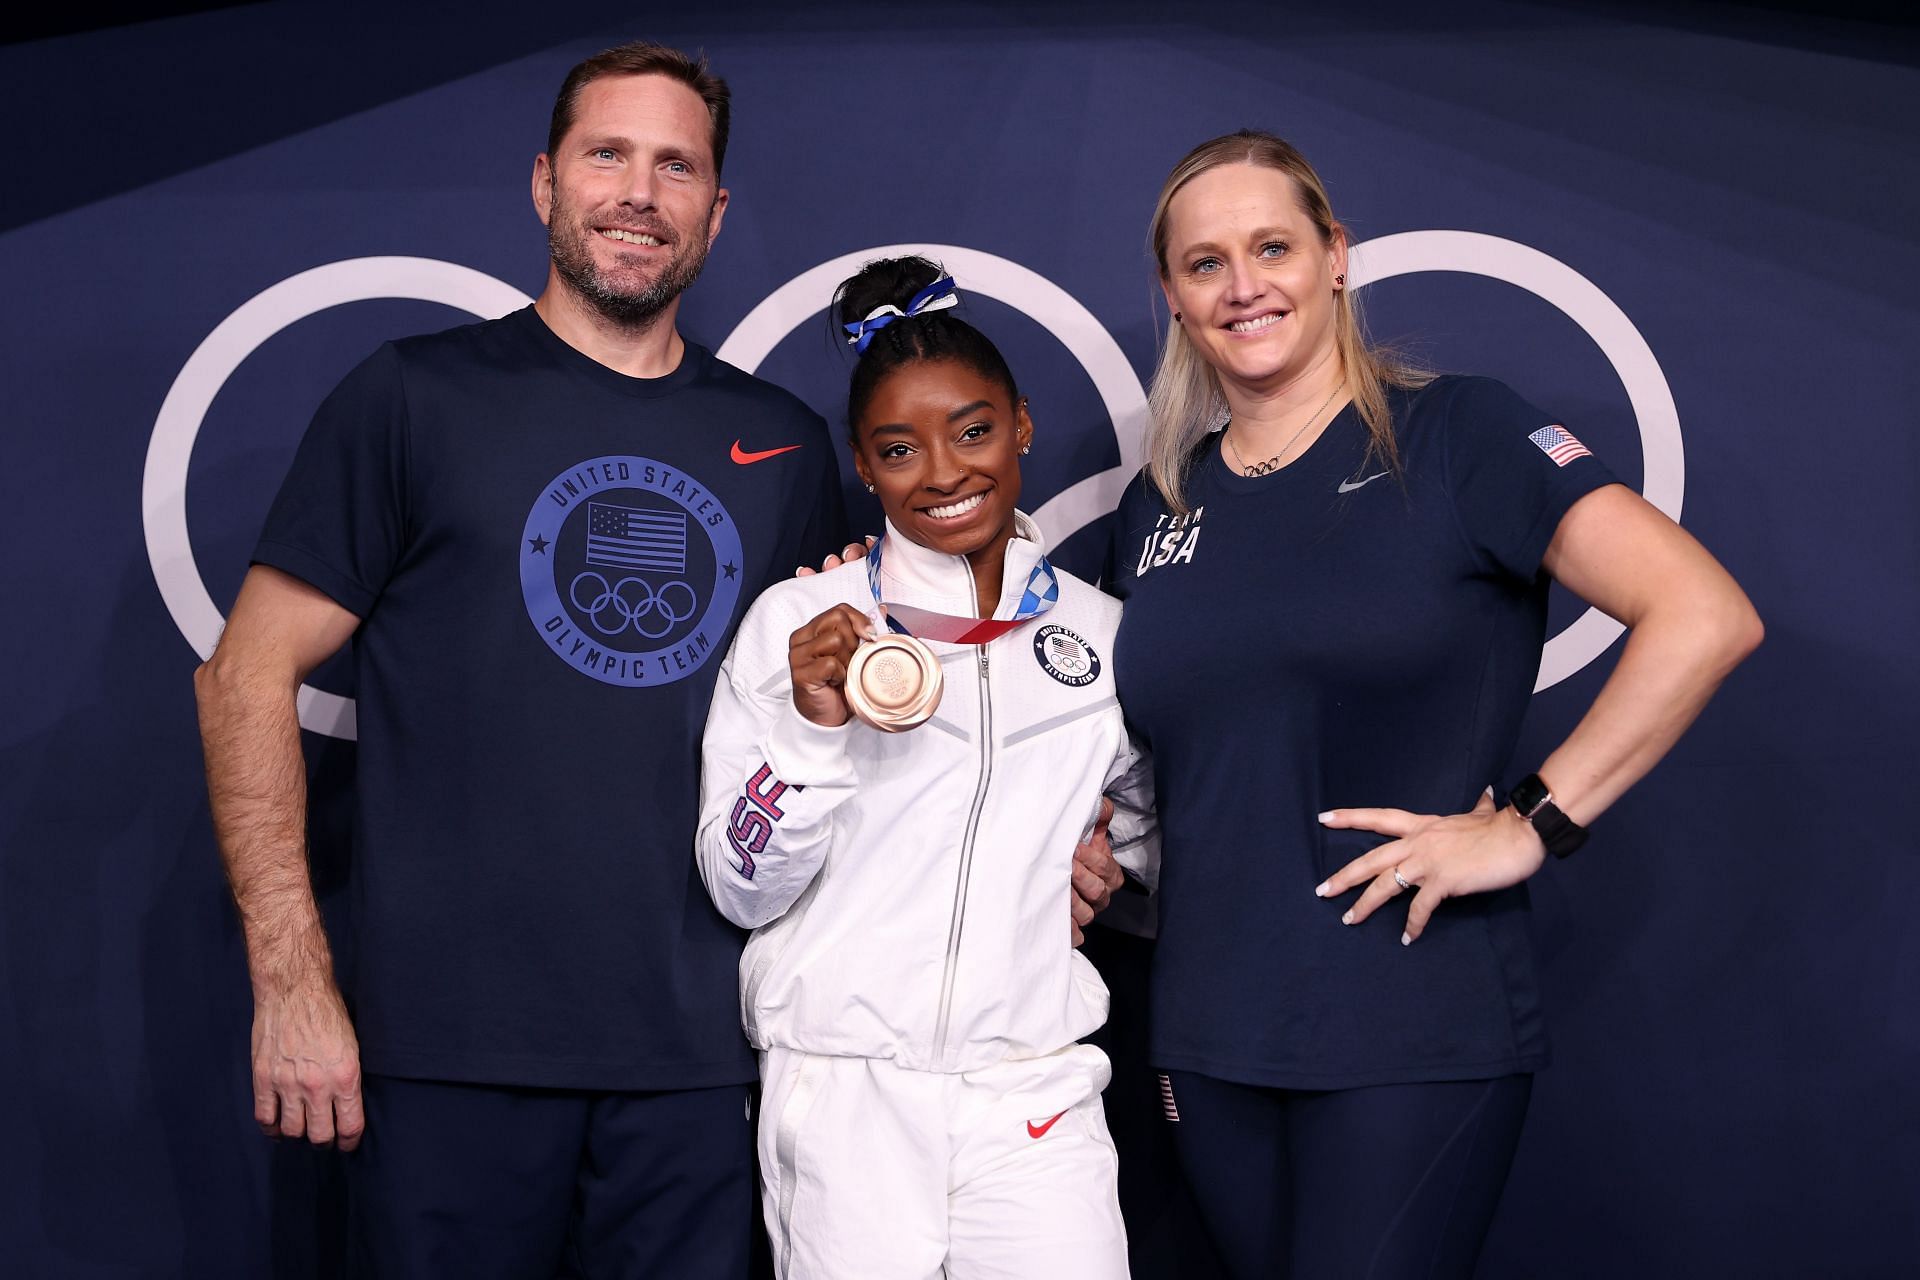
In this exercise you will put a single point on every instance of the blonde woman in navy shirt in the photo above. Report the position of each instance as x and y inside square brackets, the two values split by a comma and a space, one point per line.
[1335, 604]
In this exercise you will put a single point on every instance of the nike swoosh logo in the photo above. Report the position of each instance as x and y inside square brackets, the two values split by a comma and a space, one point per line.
[744, 458]
[1040, 1130]
[1346, 486]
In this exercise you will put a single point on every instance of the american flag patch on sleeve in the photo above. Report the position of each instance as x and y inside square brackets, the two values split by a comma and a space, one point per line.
[1559, 444]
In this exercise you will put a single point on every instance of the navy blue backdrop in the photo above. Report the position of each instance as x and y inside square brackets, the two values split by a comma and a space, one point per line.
[1689, 236]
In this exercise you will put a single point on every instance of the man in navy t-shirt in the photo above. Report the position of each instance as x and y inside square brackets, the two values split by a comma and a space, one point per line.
[540, 533]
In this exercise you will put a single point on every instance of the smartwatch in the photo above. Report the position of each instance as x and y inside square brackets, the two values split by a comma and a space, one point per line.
[1532, 801]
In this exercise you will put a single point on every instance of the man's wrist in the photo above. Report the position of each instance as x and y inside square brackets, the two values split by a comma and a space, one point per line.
[287, 960]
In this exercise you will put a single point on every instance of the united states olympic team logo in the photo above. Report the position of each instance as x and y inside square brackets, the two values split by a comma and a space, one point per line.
[1065, 656]
[630, 570]
[652, 602]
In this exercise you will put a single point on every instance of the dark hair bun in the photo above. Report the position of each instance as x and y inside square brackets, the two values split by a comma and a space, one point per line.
[933, 335]
[883, 282]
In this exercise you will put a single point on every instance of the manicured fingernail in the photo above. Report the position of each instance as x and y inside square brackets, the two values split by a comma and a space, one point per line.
[1327, 816]
[1347, 918]
[1406, 939]
[1321, 890]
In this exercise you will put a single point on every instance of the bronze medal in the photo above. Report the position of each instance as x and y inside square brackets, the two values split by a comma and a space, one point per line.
[893, 683]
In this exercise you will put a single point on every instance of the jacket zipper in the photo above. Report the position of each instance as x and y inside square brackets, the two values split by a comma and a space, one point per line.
[958, 921]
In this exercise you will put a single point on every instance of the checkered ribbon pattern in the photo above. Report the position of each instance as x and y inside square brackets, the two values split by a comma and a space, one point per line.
[1041, 594]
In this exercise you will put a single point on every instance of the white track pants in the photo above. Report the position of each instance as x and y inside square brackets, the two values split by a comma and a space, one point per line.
[871, 1172]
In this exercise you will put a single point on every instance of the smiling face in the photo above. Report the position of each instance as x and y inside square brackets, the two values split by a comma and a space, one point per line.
[631, 199]
[1251, 278]
[940, 443]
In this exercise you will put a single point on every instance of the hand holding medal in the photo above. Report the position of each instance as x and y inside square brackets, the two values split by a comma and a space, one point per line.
[819, 656]
[894, 681]
[844, 663]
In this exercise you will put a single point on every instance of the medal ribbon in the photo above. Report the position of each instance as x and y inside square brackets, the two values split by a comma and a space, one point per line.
[1041, 594]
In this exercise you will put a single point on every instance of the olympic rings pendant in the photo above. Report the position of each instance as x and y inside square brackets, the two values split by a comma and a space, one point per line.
[894, 683]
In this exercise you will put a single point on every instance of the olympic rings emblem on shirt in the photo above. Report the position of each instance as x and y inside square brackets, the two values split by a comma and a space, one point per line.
[631, 570]
[634, 613]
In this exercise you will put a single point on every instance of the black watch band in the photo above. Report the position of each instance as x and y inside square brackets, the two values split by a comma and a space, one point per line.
[1532, 801]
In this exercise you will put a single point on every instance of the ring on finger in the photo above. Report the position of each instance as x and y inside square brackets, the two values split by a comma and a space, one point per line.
[1401, 880]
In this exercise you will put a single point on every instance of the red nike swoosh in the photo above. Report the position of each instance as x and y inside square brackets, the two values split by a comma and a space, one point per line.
[742, 457]
[1040, 1130]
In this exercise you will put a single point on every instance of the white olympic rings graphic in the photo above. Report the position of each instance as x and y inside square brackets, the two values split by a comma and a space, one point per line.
[631, 613]
[163, 490]
[169, 453]
[1663, 455]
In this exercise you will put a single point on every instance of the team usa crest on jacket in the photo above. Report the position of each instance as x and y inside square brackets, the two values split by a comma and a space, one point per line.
[1065, 656]
[630, 570]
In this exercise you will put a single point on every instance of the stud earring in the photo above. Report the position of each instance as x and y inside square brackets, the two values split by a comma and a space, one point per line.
[1178, 317]
[871, 489]
[1340, 280]
[1024, 448]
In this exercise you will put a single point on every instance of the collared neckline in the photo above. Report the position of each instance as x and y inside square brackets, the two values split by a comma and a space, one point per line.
[921, 576]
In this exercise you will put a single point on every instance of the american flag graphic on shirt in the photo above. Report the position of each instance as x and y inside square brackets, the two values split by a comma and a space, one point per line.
[634, 538]
[1559, 444]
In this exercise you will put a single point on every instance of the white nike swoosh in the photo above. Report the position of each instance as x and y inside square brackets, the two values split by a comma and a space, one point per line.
[1348, 486]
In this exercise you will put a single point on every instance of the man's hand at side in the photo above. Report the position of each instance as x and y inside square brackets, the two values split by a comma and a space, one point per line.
[306, 1066]
[306, 1059]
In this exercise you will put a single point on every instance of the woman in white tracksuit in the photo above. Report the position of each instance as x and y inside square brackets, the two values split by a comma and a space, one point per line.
[911, 980]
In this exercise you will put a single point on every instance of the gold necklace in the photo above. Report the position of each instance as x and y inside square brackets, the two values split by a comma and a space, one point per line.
[1273, 464]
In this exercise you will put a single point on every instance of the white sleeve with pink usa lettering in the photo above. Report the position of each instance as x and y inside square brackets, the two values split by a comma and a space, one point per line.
[770, 779]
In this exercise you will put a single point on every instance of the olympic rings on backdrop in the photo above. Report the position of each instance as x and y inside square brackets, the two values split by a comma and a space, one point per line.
[636, 611]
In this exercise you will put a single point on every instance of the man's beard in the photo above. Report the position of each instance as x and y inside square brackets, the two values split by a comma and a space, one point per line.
[569, 241]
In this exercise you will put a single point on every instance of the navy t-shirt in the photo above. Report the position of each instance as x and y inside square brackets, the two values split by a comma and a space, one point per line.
[549, 559]
[1334, 635]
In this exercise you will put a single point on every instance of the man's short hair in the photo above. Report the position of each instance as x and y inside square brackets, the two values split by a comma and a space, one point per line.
[645, 58]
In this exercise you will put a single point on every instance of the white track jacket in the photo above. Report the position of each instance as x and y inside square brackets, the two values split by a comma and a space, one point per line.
[908, 892]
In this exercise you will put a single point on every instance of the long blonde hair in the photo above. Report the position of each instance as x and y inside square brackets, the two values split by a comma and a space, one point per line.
[1185, 400]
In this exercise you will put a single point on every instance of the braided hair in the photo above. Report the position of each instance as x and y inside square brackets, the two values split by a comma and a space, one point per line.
[933, 335]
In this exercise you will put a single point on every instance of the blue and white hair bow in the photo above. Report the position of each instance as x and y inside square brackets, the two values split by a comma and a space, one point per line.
[937, 296]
